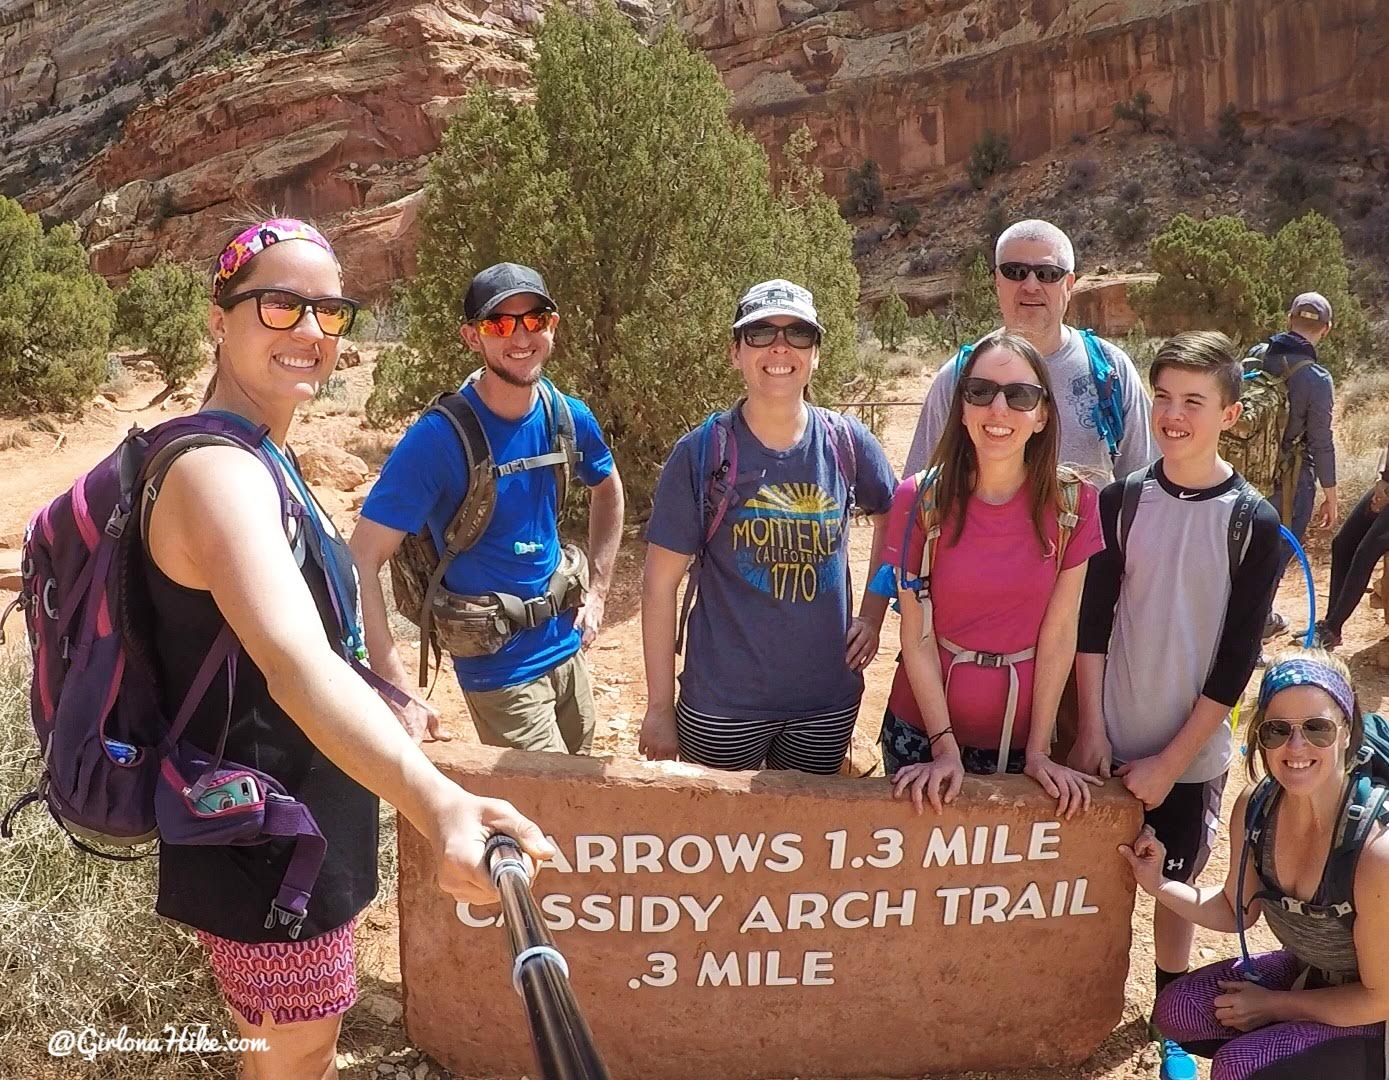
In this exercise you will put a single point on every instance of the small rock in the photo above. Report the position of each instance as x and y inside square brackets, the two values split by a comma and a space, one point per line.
[421, 1070]
[385, 1069]
[349, 356]
[374, 169]
[1352, 174]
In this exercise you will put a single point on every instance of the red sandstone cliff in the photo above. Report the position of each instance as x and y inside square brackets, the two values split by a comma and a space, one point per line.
[340, 122]
[913, 84]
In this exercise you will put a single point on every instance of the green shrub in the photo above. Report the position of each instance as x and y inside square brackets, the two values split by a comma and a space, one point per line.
[906, 215]
[1137, 110]
[1296, 189]
[646, 236]
[865, 190]
[55, 315]
[1127, 223]
[1222, 275]
[890, 321]
[988, 157]
[163, 310]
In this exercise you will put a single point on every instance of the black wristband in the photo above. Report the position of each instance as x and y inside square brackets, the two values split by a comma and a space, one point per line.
[931, 739]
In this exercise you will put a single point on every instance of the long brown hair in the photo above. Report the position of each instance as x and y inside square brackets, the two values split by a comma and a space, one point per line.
[959, 466]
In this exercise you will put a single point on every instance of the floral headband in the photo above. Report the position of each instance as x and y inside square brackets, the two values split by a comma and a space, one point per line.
[256, 239]
[1303, 672]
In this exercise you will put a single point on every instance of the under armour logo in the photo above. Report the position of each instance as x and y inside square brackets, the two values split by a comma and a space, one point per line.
[1175, 864]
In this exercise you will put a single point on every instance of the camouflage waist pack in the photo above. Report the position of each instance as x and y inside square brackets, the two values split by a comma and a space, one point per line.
[478, 625]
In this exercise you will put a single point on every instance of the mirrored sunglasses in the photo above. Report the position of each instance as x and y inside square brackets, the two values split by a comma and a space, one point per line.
[535, 322]
[283, 309]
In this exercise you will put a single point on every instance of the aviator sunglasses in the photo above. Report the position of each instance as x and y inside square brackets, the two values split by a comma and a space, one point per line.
[535, 322]
[798, 335]
[1019, 396]
[281, 309]
[1320, 731]
[1046, 273]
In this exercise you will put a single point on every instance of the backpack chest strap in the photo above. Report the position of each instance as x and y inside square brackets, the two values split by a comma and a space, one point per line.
[538, 461]
[960, 655]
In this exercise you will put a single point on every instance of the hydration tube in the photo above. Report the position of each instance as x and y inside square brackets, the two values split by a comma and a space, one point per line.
[1311, 591]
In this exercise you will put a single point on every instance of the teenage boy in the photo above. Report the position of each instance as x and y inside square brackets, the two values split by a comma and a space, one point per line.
[1170, 617]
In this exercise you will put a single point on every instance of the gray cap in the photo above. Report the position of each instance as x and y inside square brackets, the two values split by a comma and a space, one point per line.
[493, 285]
[777, 297]
[1311, 305]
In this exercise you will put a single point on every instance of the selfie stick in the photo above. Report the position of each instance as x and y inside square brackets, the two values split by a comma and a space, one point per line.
[560, 1039]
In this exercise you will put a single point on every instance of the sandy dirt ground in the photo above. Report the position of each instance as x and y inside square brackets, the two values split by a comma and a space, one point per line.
[32, 473]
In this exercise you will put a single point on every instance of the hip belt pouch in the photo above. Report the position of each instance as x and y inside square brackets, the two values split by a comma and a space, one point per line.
[199, 800]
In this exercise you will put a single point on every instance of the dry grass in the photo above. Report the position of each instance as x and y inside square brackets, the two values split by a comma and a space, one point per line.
[80, 944]
[1362, 432]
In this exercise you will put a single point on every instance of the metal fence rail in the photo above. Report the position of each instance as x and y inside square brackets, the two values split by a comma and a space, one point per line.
[560, 1039]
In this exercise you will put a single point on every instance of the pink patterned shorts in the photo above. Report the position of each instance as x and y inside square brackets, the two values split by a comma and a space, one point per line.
[293, 981]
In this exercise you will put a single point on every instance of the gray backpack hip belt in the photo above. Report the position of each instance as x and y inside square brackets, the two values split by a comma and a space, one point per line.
[481, 625]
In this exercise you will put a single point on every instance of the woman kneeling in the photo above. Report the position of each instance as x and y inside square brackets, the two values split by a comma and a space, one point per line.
[1318, 1006]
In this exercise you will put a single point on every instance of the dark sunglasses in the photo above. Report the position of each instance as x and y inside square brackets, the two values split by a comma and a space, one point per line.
[1046, 273]
[1019, 396]
[798, 335]
[535, 322]
[281, 309]
[1320, 731]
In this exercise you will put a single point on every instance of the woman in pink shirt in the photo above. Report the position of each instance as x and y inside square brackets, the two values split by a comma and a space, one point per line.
[989, 621]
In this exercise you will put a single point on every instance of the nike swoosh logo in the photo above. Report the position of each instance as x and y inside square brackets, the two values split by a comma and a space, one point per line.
[1188, 495]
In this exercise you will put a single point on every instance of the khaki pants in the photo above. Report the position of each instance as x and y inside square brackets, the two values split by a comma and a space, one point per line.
[554, 712]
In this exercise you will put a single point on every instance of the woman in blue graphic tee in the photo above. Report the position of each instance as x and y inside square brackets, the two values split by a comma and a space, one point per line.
[760, 498]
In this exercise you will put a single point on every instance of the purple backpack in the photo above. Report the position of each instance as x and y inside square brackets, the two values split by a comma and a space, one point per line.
[115, 768]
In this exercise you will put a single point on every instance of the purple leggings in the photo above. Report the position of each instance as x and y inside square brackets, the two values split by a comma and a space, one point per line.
[1185, 1013]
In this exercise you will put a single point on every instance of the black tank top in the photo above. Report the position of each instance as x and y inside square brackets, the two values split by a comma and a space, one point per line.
[227, 890]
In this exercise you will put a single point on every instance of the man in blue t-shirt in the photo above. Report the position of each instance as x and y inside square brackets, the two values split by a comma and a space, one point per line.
[533, 692]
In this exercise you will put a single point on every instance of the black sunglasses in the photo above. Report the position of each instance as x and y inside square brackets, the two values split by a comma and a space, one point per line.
[1320, 731]
[1046, 273]
[282, 309]
[1019, 396]
[798, 335]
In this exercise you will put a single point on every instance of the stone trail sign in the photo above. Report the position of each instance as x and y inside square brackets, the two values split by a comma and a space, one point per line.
[760, 925]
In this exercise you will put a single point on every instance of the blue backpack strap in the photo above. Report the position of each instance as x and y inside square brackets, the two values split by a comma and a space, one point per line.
[1365, 806]
[1109, 395]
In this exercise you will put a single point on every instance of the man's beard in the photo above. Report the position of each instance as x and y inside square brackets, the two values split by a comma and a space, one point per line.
[510, 379]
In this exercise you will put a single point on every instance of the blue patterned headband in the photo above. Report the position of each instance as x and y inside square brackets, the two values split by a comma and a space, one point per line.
[1303, 672]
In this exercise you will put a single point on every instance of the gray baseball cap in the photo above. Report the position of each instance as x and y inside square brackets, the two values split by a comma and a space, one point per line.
[493, 285]
[1311, 305]
[777, 297]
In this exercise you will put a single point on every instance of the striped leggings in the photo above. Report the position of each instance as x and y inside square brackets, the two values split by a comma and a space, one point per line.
[815, 743]
[1298, 1050]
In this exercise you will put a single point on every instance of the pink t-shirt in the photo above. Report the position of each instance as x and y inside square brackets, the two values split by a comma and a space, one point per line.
[990, 591]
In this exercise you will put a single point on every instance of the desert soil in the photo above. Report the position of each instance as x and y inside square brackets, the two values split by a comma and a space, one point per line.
[36, 464]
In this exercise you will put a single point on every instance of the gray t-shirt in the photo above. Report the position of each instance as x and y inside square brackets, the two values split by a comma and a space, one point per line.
[1173, 622]
[766, 637]
[1076, 398]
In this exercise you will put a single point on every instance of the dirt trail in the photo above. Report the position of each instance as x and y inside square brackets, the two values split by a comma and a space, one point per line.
[31, 474]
